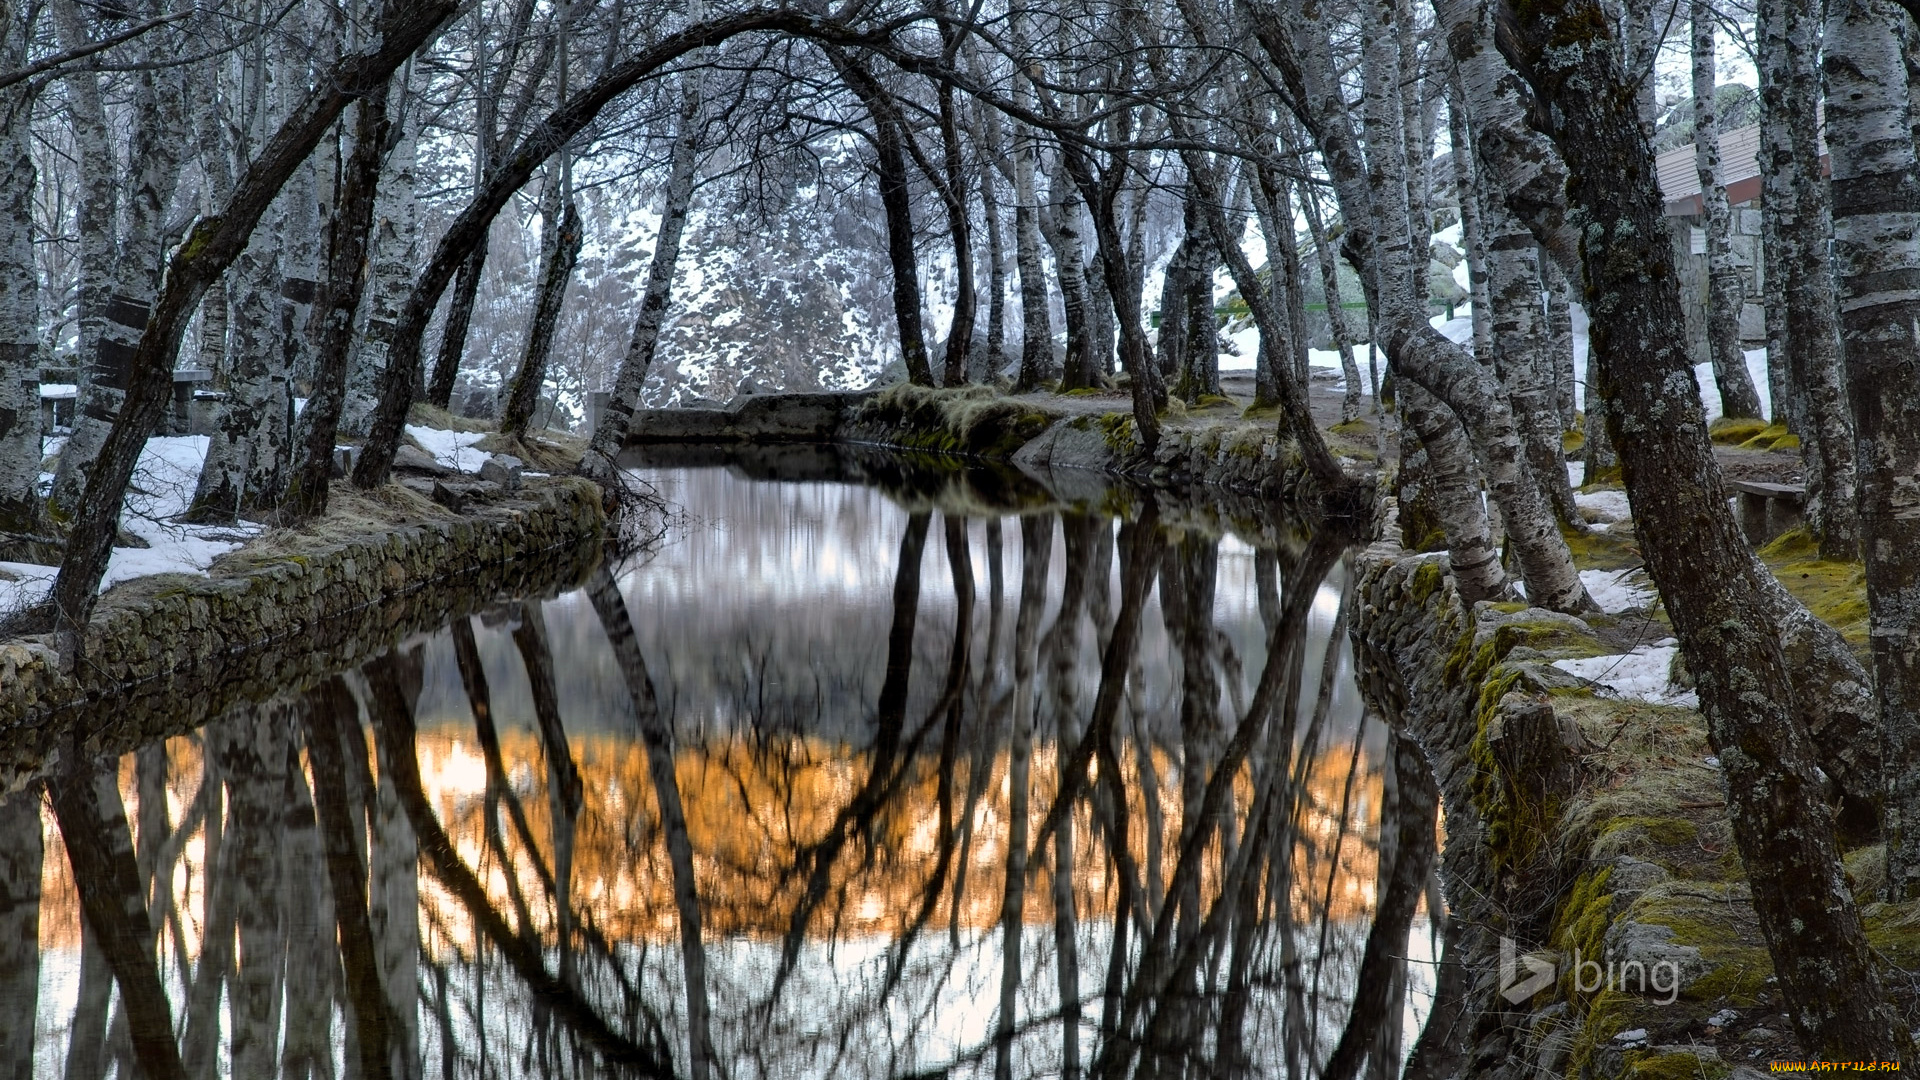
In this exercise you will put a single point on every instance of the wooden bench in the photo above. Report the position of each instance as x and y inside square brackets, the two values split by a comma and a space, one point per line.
[1767, 510]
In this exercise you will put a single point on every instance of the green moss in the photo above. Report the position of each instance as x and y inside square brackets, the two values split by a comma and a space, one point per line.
[1608, 1014]
[1765, 437]
[962, 420]
[1674, 1065]
[1786, 442]
[1352, 427]
[1835, 591]
[1082, 391]
[1572, 442]
[1660, 830]
[1596, 549]
[1734, 430]
[1894, 931]
[1211, 401]
[1426, 581]
[1118, 429]
[1261, 412]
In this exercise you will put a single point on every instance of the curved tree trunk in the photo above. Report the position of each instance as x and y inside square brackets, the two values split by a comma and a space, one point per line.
[1725, 293]
[890, 134]
[1371, 199]
[1454, 480]
[563, 251]
[212, 245]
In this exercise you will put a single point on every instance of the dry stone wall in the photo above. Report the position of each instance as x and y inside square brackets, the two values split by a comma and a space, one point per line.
[165, 654]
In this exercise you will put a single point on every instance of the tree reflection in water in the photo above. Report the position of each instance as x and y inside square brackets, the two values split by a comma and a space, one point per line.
[795, 797]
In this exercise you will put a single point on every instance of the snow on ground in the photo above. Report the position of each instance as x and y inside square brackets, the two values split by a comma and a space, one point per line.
[454, 449]
[1608, 505]
[1617, 591]
[163, 485]
[1640, 675]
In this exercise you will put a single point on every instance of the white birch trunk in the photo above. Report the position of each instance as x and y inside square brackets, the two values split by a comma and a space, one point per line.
[395, 252]
[1876, 254]
[19, 297]
[1725, 293]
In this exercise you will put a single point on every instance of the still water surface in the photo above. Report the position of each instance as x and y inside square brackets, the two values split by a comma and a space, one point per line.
[782, 797]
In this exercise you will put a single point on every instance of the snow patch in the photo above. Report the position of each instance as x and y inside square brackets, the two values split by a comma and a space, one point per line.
[453, 449]
[1608, 505]
[1640, 675]
[1618, 591]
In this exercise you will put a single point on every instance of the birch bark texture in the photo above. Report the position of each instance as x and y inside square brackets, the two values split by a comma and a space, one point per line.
[1799, 211]
[1876, 255]
[19, 296]
[1726, 293]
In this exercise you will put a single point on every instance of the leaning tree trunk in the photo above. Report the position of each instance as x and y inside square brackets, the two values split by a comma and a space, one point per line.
[1876, 255]
[657, 734]
[19, 302]
[616, 419]
[523, 394]
[212, 245]
[890, 135]
[1454, 479]
[1725, 292]
[93, 827]
[1799, 207]
[334, 308]
[1713, 586]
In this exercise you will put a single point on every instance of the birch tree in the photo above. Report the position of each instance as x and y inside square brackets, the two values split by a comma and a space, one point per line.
[19, 295]
[1798, 207]
[1725, 292]
[1876, 255]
